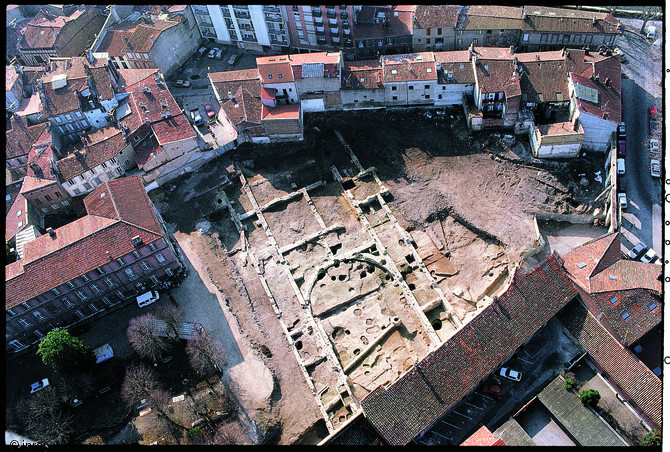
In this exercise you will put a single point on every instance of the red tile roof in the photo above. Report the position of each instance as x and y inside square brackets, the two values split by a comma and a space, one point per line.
[270, 71]
[633, 377]
[244, 109]
[603, 269]
[41, 32]
[483, 437]
[488, 17]
[11, 76]
[134, 35]
[281, 112]
[362, 75]
[21, 137]
[40, 163]
[609, 99]
[636, 304]
[434, 386]
[560, 128]
[124, 199]
[146, 150]
[409, 67]
[432, 16]
[11, 193]
[95, 148]
[495, 76]
[563, 20]
[230, 81]
[18, 214]
[456, 62]
[31, 183]
[400, 25]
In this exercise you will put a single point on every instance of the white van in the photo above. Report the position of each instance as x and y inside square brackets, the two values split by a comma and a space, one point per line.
[147, 298]
[620, 166]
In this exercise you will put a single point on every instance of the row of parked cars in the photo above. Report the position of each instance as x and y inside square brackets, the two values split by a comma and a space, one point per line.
[638, 253]
[216, 54]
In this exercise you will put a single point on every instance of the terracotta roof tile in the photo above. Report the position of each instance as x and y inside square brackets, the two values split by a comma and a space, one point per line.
[11, 192]
[495, 76]
[482, 437]
[362, 75]
[134, 35]
[11, 76]
[146, 150]
[270, 72]
[487, 17]
[42, 30]
[563, 20]
[409, 67]
[633, 377]
[244, 109]
[609, 99]
[400, 25]
[230, 81]
[17, 217]
[21, 137]
[446, 375]
[95, 148]
[431, 16]
[281, 112]
[635, 306]
[40, 163]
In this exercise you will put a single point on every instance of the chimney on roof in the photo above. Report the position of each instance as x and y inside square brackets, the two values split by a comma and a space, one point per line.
[608, 81]
[595, 21]
[109, 255]
[597, 79]
[230, 95]
[563, 52]
[51, 233]
[511, 49]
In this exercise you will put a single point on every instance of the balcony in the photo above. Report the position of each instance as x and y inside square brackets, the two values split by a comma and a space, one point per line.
[332, 22]
[344, 14]
[280, 42]
[316, 12]
[345, 23]
[321, 40]
[271, 8]
[348, 42]
[199, 9]
[347, 32]
[242, 7]
[242, 15]
[225, 12]
[331, 14]
[334, 31]
[335, 39]
[318, 20]
[274, 18]
[250, 38]
[320, 30]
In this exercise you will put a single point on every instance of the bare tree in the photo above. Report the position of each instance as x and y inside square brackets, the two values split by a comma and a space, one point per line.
[138, 383]
[648, 13]
[205, 353]
[159, 401]
[43, 418]
[228, 435]
[78, 386]
[54, 428]
[143, 335]
[174, 318]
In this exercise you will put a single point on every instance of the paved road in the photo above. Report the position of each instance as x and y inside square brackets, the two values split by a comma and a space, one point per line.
[641, 220]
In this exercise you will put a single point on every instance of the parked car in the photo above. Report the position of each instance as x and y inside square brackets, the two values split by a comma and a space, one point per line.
[654, 145]
[183, 83]
[212, 52]
[147, 298]
[621, 131]
[622, 185]
[653, 114]
[201, 51]
[196, 118]
[210, 111]
[233, 58]
[219, 54]
[620, 166]
[621, 148]
[510, 374]
[649, 257]
[492, 389]
[623, 200]
[655, 168]
[637, 250]
[39, 385]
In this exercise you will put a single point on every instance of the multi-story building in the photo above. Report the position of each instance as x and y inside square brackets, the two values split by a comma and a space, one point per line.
[48, 35]
[250, 27]
[13, 88]
[383, 30]
[362, 85]
[488, 25]
[409, 79]
[455, 77]
[77, 93]
[144, 40]
[86, 268]
[42, 187]
[545, 28]
[99, 156]
[434, 27]
[321, 27]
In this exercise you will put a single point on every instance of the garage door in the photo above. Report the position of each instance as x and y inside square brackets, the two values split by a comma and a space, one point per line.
[312, 105]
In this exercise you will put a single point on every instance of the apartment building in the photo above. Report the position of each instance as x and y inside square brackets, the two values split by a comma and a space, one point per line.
[77, 93]
[250, 27]
[383, 30]
[434, 27]
[321, 27]
[85, 269]
[49, 35]
[409, 79]
[42, 187]
[145, 40]
[363, 85]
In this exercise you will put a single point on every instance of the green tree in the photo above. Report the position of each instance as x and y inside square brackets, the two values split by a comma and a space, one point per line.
[590, 398]
[65, 353]
[653, 438]
[569, 384]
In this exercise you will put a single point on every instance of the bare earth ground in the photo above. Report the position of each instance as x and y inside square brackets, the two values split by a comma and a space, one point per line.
[473, 196]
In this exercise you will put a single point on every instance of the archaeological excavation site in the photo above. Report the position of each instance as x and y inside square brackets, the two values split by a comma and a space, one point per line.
[344, 260]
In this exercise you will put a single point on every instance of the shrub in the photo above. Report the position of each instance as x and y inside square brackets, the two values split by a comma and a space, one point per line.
[590, 398]
[194, 433]
[653, 438]
[569, 384]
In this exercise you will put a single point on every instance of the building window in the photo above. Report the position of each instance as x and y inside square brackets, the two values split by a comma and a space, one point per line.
[459, 41]
[427, 41]
[426, 86]
[525, 37]
[439, 96]
[38, 202]
[79, 314]
[475, 41]
[11, 312]
[100, 271]
[81, 295]
[145, 266]
[85, 277]
[95, 288]
[16, 345]
[168, 271]
[106, 300]
[23, 323]
[439, 31]
[152, 247]
[427, 31]
[67, 302]
[427, 96]
[394, 88]
[38, 315]
[270, 76]
[55, 291]
[70, 284]
[120, 261]
[160, 258]
[93, 307]
[137, 254]
[47, 197]
[120, 294]
[410, 87]
[625, 315]
[25, 305]
[614, 299]
[279, 75]
[130, 273]
[395, 97]
[109, 282]
[154, 279]
[652, 306]
[58, 195]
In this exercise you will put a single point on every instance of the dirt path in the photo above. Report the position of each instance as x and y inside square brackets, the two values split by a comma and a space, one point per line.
[277, 405]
